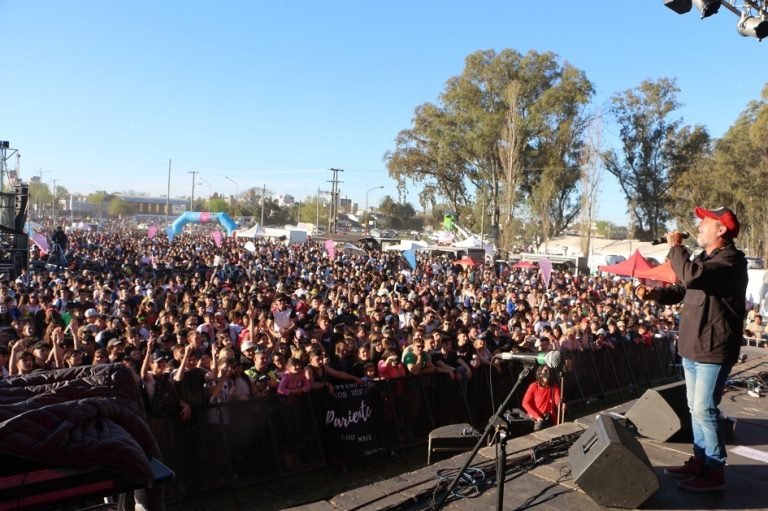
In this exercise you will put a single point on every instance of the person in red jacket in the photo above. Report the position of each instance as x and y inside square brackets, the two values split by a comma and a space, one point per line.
[542, 399]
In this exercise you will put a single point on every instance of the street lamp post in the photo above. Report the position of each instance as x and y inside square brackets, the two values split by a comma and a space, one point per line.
[192, 199]
[366, 204]
[237, 188]
[210, 192]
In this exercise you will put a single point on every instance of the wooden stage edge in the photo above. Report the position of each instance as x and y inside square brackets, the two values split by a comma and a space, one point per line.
[549, 486]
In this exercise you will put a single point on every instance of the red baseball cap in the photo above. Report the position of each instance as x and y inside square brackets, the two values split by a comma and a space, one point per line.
[723, 215]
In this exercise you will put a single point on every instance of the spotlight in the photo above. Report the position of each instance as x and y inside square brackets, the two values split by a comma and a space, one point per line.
[752, 26]
[707, 7]
[679, 6]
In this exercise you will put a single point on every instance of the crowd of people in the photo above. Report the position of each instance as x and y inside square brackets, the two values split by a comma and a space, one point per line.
[201, 322]
[163, 307]
[204, 324]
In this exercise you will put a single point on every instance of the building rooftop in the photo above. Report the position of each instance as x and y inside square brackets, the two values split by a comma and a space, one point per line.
[151, 200]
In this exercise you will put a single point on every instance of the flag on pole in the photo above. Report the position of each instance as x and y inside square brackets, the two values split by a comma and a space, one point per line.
[152, 231]
[39, 240]
[216, 235]
[330, 247]
[545, 265]
[410, 256]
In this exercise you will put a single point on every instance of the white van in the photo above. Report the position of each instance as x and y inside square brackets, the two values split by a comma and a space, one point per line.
[597, 260]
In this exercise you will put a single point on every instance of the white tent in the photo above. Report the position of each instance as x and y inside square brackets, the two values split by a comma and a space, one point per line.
[474, 242]
[406, 245]
[571, 245]
[350, 248]
[470, 242]
[253, 232]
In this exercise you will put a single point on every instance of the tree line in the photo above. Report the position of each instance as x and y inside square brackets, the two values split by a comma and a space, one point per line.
[517, 136]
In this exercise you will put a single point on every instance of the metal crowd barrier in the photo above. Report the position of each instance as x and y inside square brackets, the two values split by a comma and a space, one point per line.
[627, 370]
[758, 342]
[265, 439]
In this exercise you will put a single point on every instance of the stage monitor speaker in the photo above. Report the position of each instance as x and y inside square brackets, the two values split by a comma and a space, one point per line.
[453, 438]
[610, 466]
[662, 413]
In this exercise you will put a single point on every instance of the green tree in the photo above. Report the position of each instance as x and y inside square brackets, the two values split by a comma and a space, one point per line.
[437, 213]
[62, 193]
[250, 203]
[117, 207]
[218, 204]
[397, 215]
[460, 146]
[40, 197]
[311, 207]
[606, 229]
[100, 199]
[656, 150]
[733, 175]
[275, 215]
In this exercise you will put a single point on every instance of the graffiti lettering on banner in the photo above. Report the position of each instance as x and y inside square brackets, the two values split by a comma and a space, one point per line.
[353, 420]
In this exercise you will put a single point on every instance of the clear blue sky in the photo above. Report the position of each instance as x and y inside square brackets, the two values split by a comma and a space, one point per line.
[100, 94]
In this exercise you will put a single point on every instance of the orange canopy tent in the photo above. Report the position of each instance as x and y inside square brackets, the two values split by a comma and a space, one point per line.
[629, 267]
[662, 273]
[466, 261]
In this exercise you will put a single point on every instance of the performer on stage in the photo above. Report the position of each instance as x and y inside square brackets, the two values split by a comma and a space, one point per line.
[60, 238]
[712, 287]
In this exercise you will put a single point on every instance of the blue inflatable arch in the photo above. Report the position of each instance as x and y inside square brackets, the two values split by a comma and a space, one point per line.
[203, 218]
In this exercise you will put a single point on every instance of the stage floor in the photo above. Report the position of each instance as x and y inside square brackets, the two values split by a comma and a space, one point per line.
[549, 485]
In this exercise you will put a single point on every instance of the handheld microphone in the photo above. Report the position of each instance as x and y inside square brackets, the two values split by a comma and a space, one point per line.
[549, 359]
[663, 239]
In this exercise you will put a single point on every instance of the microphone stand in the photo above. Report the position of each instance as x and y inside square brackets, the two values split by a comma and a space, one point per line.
[497, 420]
[561, 404]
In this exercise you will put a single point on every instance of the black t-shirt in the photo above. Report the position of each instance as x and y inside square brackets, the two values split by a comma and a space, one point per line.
[451, 358]
[191, 388]
[60, 238]
[358, 369]
[466, 352]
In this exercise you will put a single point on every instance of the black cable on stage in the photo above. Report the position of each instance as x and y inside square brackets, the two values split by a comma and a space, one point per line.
[477, 478]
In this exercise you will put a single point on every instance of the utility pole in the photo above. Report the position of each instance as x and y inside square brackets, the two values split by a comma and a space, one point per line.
[334, 220]
[53, 209]
[168, 194]
[234, 197]
[192, 200]
[40, 194]
[482, 218]
[263, 196]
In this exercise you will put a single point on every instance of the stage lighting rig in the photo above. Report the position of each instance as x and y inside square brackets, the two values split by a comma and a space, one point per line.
[753, 26]
[753, 17]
